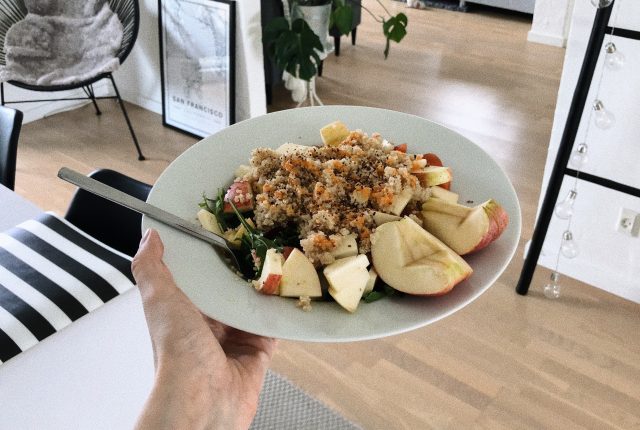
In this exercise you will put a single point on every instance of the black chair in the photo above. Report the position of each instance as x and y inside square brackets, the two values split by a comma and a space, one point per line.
[110, 223]
[13, 11]
[10, 123]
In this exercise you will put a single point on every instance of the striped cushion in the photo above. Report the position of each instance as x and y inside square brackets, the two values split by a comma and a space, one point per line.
[51, 274]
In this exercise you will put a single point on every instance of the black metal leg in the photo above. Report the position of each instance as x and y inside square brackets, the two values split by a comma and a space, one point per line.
[126, 117]
[2, 93]
[320, 67]
[336, 44]
[269, 92]
[353, 36]
[92, 95]
[566, 145]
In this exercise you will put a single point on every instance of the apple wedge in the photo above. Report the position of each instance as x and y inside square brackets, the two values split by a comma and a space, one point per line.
[440, 193]
[400, 201]
[431, 176]
[381, 217]
[299, 277]
[411, 260]
[348, 247]
[334, 133]
[464, 229]
[209, 222]
[347, 279]
[271, 275]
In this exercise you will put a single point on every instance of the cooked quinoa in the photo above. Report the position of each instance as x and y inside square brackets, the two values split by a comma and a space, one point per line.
[332, 191]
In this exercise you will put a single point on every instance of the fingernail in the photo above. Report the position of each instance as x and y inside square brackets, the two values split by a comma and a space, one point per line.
[145, 235]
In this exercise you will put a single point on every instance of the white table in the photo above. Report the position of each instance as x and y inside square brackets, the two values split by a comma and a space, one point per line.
[98, 370]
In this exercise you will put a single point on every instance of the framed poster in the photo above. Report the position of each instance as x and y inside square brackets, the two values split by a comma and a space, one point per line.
[197, 64]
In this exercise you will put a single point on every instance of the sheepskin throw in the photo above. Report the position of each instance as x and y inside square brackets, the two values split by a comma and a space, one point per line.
[62, 42]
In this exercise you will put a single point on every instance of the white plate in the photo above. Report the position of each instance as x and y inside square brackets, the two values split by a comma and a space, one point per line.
[220, 294]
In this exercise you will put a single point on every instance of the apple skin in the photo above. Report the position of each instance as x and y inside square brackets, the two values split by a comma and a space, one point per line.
[464, 229]
[433, 175]
[269, 280]
[498, 222]
[434, 160]
[244, 200]
[411, 260]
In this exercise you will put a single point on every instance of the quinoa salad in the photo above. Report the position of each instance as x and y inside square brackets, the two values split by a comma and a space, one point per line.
[307, 219]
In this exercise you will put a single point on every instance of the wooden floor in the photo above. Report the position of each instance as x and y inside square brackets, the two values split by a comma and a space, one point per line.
[503, 362]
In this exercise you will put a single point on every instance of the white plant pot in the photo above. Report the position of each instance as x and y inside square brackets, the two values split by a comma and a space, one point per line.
[318, 19]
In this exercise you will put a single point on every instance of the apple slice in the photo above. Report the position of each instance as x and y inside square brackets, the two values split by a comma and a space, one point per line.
[271, 275]
[299, 277]
[440, 193]
[348, 247]
[464, 229]
[380, 217]
[433, 175]
[373, 277]
[333, 134]
[400, 201]
[241, 195]
[347, 279]
[209, 222]
[411, 260]
[292, 148]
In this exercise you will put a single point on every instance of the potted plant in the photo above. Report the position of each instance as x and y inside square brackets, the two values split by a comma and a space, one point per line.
[297, 49]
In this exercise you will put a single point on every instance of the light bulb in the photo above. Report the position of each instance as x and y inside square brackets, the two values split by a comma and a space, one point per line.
[613, 58]
[600, 4]
[569, 247]
[579, 158]
[564, 209]
[602, 117]
[552, 289]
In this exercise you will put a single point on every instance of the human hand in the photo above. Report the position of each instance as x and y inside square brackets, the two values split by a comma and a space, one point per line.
[208, 375]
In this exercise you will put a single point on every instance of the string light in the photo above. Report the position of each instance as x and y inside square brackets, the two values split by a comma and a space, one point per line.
[564, 209]
[580, 156]
[552, 289]
[613, 58]
[604, 119]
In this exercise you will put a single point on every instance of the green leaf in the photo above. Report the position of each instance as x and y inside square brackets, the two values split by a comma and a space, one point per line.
[374, 296]
[342, 18]
[394, 29]
[293, 48]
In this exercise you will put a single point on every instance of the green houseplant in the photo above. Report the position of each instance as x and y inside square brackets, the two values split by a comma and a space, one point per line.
[296, 48]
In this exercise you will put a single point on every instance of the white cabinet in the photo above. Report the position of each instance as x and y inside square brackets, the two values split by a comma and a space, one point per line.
[607, 259]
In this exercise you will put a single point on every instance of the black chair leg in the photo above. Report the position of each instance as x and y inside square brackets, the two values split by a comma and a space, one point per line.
[336, 44]
[2, 93]
[353, 36]
[92, 95]
[126, 117]
[320, 68]
[269, 93]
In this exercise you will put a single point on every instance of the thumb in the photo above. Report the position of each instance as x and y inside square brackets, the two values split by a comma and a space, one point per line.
[148, 268]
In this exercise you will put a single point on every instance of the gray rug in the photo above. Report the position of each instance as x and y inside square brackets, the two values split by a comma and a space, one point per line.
[440, 4]
[283, 406]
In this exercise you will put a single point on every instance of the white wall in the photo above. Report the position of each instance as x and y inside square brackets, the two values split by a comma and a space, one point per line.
[551, 21]
[138, 79]
[608, 259]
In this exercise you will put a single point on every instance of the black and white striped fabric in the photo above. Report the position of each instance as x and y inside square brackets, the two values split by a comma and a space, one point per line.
[51, 274]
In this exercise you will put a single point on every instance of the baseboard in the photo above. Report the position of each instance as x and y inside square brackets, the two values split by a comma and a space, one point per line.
[142, 101]
[546, 39]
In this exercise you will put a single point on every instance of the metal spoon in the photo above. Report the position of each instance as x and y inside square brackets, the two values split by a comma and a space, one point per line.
[105, 191]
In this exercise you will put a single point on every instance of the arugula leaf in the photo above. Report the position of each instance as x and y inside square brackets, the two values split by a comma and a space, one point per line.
[256, 240]
[373, 296]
